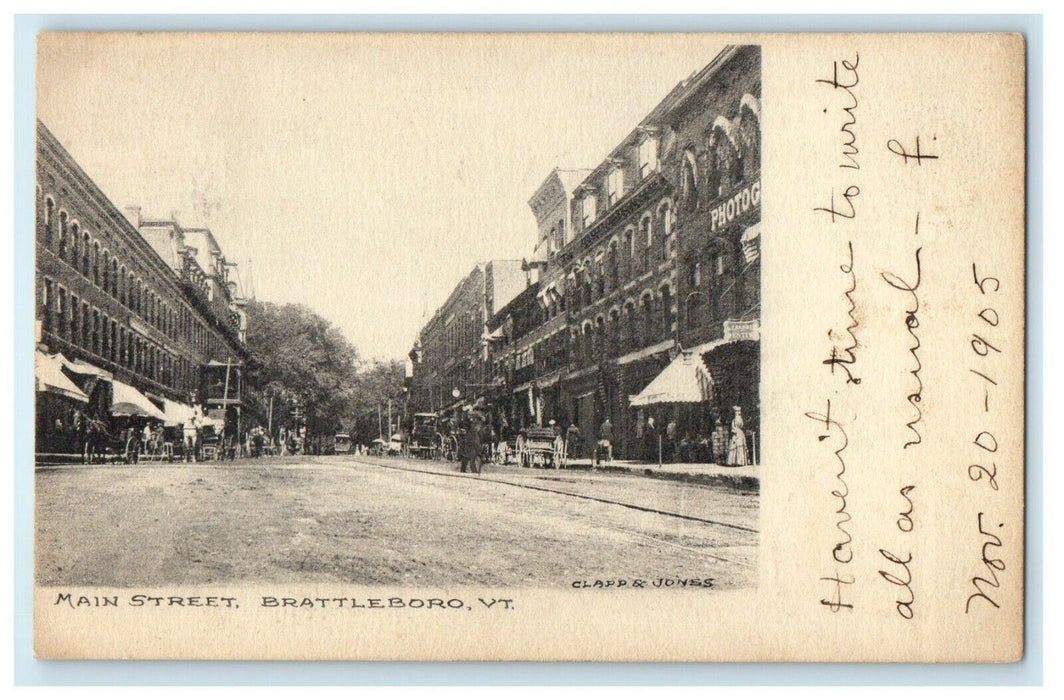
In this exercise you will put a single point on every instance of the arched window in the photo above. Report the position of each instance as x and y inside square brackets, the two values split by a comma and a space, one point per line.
[114, 278]
[725, 168]
[75, 242]
[62, 234]
[49, 221]
[631, 335]
[689, 180]
[666, 311]
[96, 263]
[614, 331]
[629, 253]
[86, 255]
[649, 319]
[613, 265]
[106, 282]
[750, 136]
[646, 240]
[600, 337]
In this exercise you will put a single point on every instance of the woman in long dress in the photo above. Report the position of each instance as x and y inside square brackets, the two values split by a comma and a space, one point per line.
[737, 453]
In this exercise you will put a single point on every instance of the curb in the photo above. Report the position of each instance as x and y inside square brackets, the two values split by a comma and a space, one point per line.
[743, 482]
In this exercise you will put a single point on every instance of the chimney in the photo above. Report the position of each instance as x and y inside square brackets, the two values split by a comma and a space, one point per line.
[133, 214]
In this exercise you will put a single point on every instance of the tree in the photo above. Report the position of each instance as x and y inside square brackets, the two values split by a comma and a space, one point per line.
[299, 359]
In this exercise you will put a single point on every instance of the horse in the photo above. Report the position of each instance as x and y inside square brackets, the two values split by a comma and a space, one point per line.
[94, 450]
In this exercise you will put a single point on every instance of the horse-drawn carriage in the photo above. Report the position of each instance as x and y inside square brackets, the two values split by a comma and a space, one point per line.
[540, 447]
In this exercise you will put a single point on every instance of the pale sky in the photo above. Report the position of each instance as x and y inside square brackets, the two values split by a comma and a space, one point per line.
[362, 175]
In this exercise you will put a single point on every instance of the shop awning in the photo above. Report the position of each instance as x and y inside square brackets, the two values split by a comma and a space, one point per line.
[176, 413]
[48, 373]
[82, 367]
[685, 380]
[130, 402]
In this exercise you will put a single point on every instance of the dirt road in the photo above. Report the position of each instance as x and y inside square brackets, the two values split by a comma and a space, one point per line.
[338, 519]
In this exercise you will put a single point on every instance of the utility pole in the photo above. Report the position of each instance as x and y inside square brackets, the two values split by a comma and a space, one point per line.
[269, 416]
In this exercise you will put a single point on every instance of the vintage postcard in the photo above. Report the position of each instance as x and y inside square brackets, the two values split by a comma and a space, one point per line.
[470, 346]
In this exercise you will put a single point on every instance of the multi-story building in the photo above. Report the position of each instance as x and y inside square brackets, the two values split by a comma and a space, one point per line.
[714, 157]
[510, 369]
[653, 252]
[119, 308]
[660, 254]
[451, 360]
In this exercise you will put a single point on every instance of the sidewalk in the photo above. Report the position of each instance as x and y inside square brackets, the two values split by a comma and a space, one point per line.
[747, 478]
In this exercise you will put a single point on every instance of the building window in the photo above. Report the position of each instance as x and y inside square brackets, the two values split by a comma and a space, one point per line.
[666, 311]
[95, 332]
[46, 305]
[114, 337]
[648, 157]
[62, 234]
[86, 319]
[86, 255]
[49, 221]
[689, 180]
[696, 275]
[614, 186]
[60, 312]
[646, 239]
[631, 337]
[75, 242]
[75, 310]
[614, 266]
[587, 208]
[96, 263]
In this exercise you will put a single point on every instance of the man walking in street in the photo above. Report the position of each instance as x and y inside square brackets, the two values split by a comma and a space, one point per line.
[605, 443]
[572, 440]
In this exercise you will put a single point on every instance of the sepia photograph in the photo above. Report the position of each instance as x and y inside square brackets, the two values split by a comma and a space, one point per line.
[326, 311]
[457, 346]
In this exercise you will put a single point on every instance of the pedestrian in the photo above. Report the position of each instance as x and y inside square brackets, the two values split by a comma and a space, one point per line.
[605, 443]
[670, 439]
[737, 453]
[651, 444]
[572, 440]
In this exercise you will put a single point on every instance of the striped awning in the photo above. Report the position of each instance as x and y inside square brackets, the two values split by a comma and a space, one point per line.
[49, 377]
[127, 401]
[685, 380]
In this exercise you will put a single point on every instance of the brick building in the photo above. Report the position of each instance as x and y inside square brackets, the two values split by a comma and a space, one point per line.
[653, 253]
[451, 353]
[121, 314]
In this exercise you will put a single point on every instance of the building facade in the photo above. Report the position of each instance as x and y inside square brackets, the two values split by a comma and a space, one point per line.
[451, 361]
[652, 253]
[107, 298]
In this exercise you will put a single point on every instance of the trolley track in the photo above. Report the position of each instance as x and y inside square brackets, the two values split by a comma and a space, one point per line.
[532, 487]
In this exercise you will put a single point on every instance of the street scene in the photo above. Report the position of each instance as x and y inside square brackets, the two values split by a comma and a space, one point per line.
[258, 360]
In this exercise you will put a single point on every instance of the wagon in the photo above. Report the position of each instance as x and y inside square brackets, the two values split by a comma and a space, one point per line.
[424, 436]
[540, 447]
